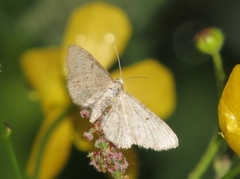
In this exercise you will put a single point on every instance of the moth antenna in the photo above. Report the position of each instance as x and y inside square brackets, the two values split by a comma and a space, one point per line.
[138, 77]
[119, 63]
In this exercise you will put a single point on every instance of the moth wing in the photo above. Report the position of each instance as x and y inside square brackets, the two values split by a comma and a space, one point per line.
[130, 122]
[86, 76]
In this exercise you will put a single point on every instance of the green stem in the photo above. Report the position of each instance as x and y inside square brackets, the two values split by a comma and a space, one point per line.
[9, 167]
[206, 158]
[45, 140]
[215, 142]
[233, 173]
[219, 72]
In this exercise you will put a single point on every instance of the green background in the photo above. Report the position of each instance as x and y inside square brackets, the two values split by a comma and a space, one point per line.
[161, 29]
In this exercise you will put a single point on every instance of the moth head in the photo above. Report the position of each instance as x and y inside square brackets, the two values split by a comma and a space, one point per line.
[119, 81]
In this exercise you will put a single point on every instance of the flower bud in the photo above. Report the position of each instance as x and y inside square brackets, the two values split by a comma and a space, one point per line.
[210, 40]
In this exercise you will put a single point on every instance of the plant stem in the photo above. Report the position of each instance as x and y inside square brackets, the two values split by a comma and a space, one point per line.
[45, 140]
[215, 142]
[8, 162]
[219, 72]
[206, 158]
[232, 174]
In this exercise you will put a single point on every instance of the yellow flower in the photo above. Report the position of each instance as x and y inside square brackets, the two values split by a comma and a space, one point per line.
[42, 68]
[95, 27]
[229, 111]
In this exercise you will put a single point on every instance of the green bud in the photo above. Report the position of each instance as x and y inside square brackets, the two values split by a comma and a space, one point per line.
[210, 40]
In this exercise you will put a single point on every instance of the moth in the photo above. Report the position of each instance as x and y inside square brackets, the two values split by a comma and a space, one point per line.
[127, 121]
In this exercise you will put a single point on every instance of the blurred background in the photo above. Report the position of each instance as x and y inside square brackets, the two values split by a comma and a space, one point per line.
[162, 29]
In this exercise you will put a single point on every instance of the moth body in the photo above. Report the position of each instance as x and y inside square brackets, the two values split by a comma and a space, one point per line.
[104, 99]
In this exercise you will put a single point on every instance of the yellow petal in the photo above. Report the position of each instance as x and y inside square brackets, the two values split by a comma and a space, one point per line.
[96, 27]
[57, 149]
[156, 91]
[42, 67]
[229, 111]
